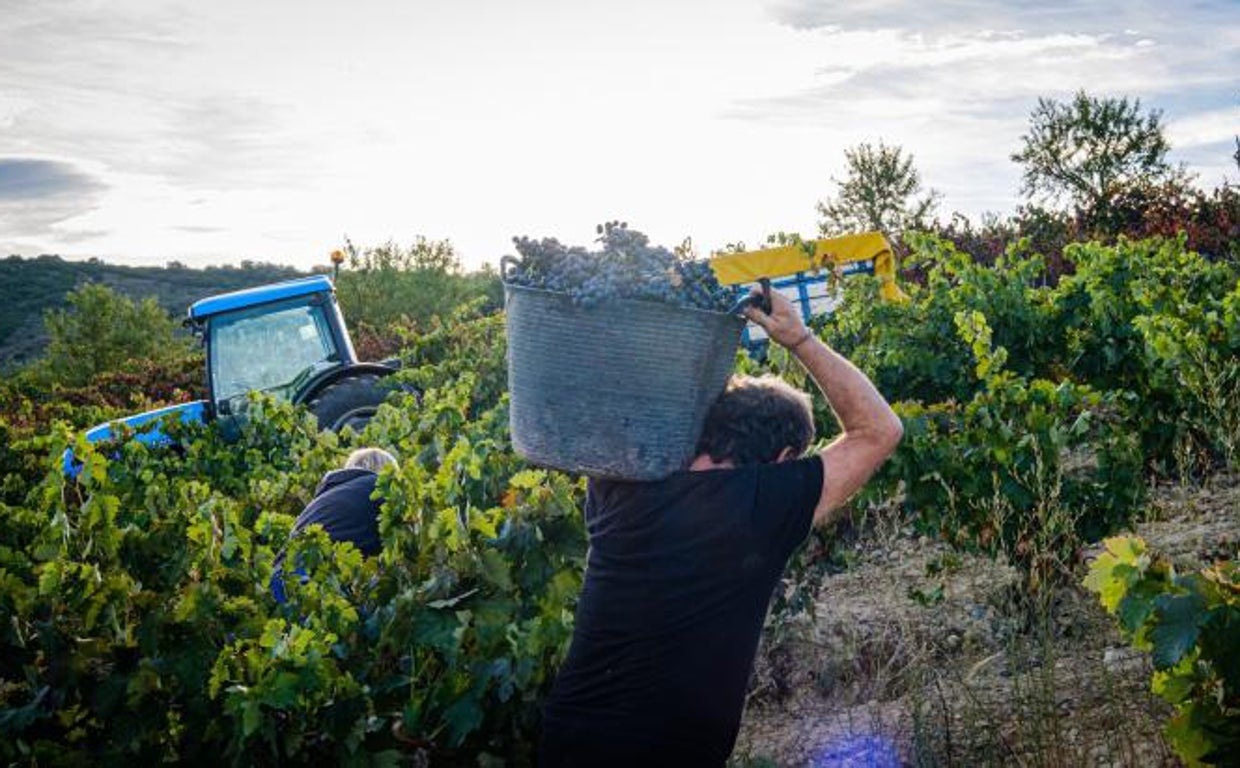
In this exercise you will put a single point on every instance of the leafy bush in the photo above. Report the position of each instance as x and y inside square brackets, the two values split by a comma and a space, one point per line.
[1027, 468]
[1118, 318]
[910, 349]
[1030, 409]
[102, 331]
[389, 287]
[1191, 625]
[1209, 221]
[29, 287]
[136, 619]
[1031, 228]
[30, 408]
[1151, 318]
[138, 624]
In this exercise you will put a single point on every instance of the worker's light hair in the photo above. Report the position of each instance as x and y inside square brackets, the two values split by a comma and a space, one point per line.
[373, 459]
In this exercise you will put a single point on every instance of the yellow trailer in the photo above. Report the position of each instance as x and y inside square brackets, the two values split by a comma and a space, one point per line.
[806, 272]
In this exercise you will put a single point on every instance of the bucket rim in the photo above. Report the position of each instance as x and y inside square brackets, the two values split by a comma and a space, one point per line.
[561, 294]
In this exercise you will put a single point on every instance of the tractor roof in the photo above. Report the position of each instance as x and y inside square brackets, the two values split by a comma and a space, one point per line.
[263, 294]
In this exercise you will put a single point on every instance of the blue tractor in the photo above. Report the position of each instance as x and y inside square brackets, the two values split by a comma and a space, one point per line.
[287, 339]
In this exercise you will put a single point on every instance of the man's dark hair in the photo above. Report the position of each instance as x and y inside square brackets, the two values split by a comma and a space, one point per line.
[755, 419]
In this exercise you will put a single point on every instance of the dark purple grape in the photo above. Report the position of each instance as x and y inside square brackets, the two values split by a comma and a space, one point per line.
[625, 266]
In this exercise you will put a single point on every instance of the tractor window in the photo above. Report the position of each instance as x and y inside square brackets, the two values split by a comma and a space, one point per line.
[269, 348]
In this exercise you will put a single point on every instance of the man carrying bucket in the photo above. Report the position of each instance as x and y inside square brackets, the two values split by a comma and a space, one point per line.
[681, 571]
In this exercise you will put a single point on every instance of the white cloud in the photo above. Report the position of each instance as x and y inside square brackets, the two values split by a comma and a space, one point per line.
[10, 108]
[955, 81]
[1208, 127]
[236, 130]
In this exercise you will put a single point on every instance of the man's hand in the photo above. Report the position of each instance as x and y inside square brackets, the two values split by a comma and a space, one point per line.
[784, 325]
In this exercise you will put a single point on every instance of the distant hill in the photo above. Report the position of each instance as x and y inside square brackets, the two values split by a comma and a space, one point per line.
[30, 286]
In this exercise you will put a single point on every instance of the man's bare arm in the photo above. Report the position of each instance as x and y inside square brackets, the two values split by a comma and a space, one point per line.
[871, 430]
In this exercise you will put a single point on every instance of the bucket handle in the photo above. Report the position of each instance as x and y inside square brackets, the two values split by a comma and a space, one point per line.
[508, 265]
[762, 301]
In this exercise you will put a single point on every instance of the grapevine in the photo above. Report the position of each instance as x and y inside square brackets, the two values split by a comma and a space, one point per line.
[137, 623]
[626, 266]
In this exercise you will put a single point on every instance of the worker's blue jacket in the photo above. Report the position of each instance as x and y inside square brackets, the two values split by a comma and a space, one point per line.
[343, 505]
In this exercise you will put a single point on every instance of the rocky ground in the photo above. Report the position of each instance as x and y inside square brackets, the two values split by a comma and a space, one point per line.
[921, 656]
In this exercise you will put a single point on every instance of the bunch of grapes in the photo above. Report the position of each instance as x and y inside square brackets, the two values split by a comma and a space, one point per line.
[625, 266]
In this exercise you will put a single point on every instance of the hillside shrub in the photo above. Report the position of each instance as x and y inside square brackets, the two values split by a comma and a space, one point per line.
[1197, 357]
[30, 287]
[1032, 410]
[1151, 318]
[1032, 228]
[101, 331]
[1209, 221]
[30, 407]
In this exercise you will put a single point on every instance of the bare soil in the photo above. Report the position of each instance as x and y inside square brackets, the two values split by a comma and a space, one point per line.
[919, 655]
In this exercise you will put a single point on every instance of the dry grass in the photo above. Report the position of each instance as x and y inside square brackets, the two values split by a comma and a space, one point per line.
[881, 679]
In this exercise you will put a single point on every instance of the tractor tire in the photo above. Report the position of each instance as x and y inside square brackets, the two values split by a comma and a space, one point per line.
[350, 401]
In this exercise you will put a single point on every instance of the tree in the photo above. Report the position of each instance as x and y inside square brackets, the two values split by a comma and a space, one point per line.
[882, 192]
[423, 255]
[101, 331]
[1090, 149]
[390, 285]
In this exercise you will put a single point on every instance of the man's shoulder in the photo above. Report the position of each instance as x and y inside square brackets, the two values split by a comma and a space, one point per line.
[352, 478]
[680, 498]
[680, 477]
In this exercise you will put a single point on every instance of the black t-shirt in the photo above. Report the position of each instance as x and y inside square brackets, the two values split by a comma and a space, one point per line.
[678, 581]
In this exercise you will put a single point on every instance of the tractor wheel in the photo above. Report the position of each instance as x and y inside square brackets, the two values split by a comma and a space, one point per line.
[348, 402]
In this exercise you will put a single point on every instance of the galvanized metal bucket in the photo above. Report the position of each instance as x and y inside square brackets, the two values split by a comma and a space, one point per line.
[619, 390]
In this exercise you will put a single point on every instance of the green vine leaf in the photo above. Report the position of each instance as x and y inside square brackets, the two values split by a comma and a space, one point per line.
[1178, 623]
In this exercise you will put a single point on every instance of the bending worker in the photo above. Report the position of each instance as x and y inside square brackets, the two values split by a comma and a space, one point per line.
[681, 571]
[344, 505]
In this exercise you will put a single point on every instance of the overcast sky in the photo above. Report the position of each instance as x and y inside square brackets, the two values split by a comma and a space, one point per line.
[211, 132]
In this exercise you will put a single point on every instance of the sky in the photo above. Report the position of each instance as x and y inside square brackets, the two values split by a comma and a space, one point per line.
[211, 132]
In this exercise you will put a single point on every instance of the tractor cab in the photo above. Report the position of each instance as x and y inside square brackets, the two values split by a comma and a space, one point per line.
[287, 340]
[275, 339]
